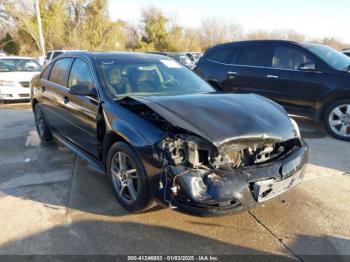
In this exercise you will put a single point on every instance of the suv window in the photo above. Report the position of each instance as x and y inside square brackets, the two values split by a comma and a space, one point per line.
[80, 74]
[48, 55]
[254, 56]
[56, 54]
[289, 58]
[222, 55]
[59, 71]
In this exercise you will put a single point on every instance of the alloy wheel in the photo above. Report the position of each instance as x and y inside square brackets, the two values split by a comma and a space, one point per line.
[124, 176]
[339, 120]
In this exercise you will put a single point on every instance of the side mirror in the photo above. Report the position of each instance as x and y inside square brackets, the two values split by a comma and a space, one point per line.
[308, 67]
[83, 90]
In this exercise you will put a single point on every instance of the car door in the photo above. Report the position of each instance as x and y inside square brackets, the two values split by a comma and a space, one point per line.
[82, 110]
[251, 72]
[297, 87]
[53, 91]
[215, 67]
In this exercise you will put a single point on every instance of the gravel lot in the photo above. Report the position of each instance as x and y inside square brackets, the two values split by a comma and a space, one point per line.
[52, 202]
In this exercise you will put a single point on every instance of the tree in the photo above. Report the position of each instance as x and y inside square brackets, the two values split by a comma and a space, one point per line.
[214, 31]
[9, 45]
[155, 34]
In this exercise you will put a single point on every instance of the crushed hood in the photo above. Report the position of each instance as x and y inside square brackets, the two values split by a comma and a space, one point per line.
[224, 118]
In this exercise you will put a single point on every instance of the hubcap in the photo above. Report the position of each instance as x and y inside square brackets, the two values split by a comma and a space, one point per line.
[124, 174]
[339, 120]
[40, 122]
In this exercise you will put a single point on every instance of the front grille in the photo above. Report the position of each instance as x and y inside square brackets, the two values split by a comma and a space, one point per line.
[24, 84]
[24, 95]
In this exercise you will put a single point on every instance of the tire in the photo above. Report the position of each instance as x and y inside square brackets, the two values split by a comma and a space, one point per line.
[41, 125]
[130, 175]
[338, 112]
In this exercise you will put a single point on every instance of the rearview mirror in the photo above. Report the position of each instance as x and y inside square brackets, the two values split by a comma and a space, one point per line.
[83, 90]
[309, 67]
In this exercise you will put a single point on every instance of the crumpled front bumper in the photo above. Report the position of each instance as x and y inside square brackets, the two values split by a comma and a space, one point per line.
[215, 192]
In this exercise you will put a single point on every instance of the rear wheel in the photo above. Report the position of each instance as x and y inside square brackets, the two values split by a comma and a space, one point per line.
[128, 178]
[337, 119]
[41, 125]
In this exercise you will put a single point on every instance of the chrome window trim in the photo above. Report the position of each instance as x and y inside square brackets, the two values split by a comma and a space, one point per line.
[262, 67]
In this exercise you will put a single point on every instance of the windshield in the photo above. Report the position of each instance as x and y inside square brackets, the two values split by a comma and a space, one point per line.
[332, 57]
[146, 77]
[16, 65]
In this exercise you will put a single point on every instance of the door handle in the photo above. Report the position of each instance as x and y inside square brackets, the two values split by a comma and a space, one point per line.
[232, 74]
[272, 76]
[66, 100]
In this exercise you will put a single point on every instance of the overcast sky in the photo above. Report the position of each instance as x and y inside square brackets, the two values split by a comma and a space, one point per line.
[322, 18]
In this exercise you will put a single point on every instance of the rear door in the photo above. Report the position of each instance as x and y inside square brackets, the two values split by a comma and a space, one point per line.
[216, 65]
[252, 72]
[297, 88]
[53, 92]
[82, 111]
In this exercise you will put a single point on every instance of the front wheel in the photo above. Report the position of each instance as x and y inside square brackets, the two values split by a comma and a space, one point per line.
[337, 119]
[128, 178]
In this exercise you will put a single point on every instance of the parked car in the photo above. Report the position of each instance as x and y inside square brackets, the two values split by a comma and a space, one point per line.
[179, 57]
[15, 75]
[52, 54]
[346, 52]
[308, 79]
[194, 56]
[161, 132]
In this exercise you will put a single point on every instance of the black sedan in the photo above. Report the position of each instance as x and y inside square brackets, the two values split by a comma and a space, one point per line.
[162, 133]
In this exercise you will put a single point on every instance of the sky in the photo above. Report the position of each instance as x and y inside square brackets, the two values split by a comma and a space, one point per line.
[317, 19]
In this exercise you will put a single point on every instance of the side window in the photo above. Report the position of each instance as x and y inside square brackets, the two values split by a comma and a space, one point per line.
[289, 58]
[222, 55]
[80, 74]
[254, 56]
[48, 55]
[46, 72]
[59, 71]
[56, 54]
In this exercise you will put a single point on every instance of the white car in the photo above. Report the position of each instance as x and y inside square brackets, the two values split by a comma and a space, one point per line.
[15, 75]
[52, 54]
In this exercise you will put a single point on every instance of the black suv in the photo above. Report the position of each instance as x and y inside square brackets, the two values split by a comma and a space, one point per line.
[308, 79]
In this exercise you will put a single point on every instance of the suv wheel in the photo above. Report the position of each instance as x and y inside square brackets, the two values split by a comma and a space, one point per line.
[128, 178]
[337, 119]
[41, 126]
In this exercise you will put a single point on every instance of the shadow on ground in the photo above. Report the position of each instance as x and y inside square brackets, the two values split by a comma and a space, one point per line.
[128, 238]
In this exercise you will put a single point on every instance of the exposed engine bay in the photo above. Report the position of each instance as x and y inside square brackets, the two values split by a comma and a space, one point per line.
[197, 172]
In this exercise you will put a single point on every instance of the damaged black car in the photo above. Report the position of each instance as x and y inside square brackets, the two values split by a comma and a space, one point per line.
[163, 134]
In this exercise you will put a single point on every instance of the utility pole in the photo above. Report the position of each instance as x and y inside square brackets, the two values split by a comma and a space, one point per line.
[40, 27]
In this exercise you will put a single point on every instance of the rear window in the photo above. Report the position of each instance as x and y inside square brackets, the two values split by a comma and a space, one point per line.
[222, 55]
[255, 56]
[59, 71]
